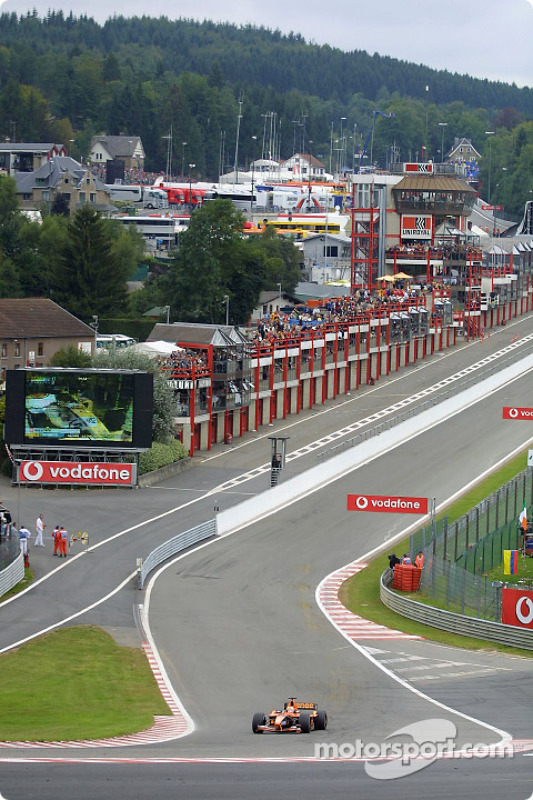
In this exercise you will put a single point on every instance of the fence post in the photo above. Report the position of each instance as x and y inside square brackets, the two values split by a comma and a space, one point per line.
[477, 524]
[506, 504]
[467, 531]
[496, 526]
[488, 517]
[456, 536]
[463, 588]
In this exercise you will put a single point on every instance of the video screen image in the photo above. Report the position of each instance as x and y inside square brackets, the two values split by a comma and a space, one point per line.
[75, 406]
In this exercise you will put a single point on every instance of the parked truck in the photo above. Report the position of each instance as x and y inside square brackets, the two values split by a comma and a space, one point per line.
[141, 196]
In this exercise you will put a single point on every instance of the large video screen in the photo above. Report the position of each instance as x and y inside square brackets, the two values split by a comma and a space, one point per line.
[82, 408]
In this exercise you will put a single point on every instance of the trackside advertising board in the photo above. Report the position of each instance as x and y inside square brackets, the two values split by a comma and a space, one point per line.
[388, 504]
[510, 412]
[79, 473]
[517, 608]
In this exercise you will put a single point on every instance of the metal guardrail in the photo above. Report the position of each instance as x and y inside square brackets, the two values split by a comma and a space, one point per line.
[438, 397]
[175, 545]
[450, 621]
[12, 574]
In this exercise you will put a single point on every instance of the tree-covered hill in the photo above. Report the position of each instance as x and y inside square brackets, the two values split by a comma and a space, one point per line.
[67, 79]
[265, 57]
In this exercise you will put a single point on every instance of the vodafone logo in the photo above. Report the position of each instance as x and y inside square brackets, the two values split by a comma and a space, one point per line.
[525, 619]
[76, 472]
[517, 607]
[512, 412]
[394, 504]
[32, 471]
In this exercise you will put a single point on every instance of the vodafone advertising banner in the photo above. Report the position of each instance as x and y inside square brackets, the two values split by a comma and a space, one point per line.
[78, 472]
[517, 608]
[509, 412]
[384, 503]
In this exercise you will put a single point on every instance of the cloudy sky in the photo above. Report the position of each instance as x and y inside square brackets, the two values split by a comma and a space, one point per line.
[484, 38]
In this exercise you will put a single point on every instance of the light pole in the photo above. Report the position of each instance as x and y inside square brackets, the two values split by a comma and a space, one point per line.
[167, 309]
[183, 146]
[442, 125]
[94, 326]
[343, 119]
[353, 148]
[279, 296]
[226, 301]
[309, 175]
[489, 133]
[168, 137]
[254, 139]
[191, 167]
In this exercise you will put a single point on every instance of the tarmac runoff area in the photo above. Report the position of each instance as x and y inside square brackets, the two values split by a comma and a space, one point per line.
[295, 489]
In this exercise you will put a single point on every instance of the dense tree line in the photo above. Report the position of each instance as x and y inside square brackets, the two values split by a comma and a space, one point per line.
[66, 79]
[84, 263]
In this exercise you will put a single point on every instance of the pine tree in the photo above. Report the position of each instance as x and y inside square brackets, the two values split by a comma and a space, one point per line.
[88, 279]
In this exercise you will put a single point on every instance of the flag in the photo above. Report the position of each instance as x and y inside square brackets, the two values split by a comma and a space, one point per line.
[510, 562]
[523, 519]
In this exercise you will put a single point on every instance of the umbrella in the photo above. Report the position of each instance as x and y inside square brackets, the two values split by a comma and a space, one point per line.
[401, 276]
[388, 278]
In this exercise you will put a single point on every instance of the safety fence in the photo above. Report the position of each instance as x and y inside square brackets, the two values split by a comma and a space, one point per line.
[486, 554]
[449, 541]
[177, 544]
[451, 621]
[450, 586]
[458, 556]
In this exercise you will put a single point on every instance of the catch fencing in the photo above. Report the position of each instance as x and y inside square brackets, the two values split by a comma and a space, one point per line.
[458, 556]
[449, 541]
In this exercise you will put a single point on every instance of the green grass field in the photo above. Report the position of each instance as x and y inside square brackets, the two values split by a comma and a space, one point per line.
[76, 683]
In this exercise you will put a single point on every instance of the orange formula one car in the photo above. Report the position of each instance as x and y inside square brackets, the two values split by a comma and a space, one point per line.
[293, 718]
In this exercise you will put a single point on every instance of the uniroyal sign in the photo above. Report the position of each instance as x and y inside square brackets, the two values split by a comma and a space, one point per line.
[78, 472]
[517, 608]
[392, 505]
[509, 412]
[417, 226]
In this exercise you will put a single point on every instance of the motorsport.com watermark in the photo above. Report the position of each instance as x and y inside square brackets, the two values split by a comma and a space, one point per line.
[431, 739]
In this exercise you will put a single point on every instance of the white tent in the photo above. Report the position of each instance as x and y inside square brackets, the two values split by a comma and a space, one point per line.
[160, 348]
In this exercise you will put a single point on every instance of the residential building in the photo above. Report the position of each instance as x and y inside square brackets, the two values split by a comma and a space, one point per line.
[61, 176]
[33, 329]
[126, 149]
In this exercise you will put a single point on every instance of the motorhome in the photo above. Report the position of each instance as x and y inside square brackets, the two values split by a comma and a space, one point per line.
[142, 196]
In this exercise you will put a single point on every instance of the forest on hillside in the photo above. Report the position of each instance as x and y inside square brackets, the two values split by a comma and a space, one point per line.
[66, 79]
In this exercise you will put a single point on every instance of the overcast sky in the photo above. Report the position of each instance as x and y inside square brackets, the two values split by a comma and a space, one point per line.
[484, 38]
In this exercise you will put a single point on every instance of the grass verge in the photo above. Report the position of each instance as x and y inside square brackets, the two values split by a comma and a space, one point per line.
[360, 593]
[76, 683]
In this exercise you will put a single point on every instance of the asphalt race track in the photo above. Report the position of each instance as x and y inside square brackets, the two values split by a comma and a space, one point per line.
[238, 628]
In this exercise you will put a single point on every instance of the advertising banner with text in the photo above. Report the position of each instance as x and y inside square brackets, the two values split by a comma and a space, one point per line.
[418, 226]
[389, 504]
[511, 412]
[517, 607]
[78, 472]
